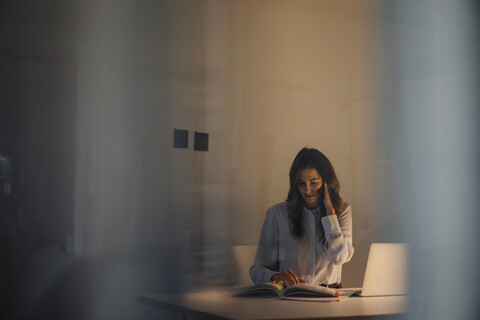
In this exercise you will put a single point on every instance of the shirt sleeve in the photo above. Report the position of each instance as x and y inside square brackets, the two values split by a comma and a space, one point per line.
[266, 259]
[338, 235]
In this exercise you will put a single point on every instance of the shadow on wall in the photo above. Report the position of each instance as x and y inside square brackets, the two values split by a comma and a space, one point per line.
[61, 286]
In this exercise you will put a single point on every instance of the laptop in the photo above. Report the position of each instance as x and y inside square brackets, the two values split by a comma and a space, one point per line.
[386, 273]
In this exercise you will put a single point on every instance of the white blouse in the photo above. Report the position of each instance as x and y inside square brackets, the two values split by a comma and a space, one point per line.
[317, 257]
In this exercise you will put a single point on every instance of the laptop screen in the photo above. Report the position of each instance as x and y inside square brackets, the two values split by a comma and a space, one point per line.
[387, 270]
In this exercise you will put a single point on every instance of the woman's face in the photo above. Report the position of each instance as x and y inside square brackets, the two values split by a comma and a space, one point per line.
[308, 184]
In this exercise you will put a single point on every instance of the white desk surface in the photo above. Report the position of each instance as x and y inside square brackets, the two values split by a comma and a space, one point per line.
[214, 303]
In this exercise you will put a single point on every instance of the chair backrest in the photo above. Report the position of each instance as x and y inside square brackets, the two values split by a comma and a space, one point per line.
[243, 256]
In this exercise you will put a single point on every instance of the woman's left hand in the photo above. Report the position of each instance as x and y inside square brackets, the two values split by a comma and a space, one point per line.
[327, 202]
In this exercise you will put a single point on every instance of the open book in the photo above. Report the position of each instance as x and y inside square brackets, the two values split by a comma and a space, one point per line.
[268, 289]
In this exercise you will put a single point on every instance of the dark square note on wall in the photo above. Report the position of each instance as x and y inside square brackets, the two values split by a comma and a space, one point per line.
[180, 138]
[201, 141]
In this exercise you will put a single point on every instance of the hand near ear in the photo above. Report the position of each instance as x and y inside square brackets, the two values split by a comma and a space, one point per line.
[327, 202]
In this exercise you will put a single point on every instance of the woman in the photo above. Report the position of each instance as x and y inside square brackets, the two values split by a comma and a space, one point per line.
[308, 237]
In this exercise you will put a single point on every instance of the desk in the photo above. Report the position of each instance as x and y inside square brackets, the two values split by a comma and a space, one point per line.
[215, 304]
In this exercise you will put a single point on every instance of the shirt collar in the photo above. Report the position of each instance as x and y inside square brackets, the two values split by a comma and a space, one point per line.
[315, 211]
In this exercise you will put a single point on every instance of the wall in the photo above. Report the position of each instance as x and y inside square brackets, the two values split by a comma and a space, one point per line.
[263, 78]
[283, 75]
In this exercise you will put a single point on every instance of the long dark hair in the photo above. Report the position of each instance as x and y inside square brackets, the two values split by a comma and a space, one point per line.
[311, 158]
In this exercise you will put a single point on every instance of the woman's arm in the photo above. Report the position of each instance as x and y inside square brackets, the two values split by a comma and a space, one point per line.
[265, 264]
[338, 235]
[338, 232]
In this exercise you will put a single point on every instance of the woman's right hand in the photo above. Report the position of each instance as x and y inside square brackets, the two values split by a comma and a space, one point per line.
[287, 278]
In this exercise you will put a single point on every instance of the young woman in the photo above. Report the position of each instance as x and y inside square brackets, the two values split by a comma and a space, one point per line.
[308, 237]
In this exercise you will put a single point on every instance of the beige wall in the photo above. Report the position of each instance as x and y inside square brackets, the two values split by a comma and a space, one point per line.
[263, 78]
[282, 75]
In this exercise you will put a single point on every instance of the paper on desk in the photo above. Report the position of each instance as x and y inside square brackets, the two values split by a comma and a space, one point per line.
[321, 299]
